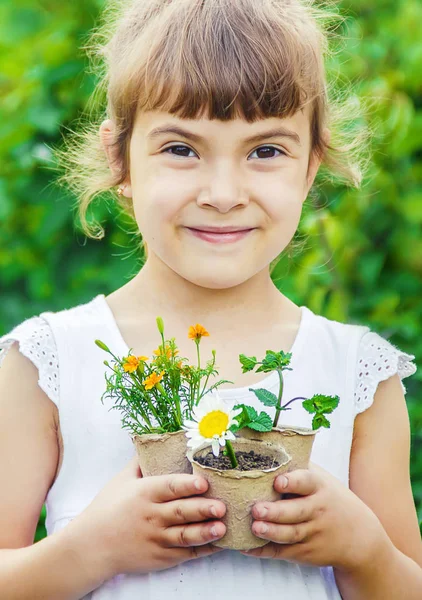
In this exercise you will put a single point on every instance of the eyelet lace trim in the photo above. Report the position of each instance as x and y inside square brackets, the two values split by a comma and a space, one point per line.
[37, 343]
[378, 360]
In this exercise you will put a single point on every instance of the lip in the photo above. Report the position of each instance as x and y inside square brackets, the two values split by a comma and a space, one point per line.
[219, 236]
[225, 229]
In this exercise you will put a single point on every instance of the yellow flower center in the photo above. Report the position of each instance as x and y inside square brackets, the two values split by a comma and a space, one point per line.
[214, 423]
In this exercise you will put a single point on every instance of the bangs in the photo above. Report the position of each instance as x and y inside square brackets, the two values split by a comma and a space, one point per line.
[222, 59]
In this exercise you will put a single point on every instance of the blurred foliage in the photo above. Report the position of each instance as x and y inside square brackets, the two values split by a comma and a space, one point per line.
[362, 261]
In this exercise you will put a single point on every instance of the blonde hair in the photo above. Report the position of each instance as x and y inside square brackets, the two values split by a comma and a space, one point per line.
[222, 58]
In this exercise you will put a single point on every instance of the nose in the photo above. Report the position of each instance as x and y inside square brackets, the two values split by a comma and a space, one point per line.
[224, 191]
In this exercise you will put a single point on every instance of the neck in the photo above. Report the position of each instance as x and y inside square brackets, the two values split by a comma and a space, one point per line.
[158, 289]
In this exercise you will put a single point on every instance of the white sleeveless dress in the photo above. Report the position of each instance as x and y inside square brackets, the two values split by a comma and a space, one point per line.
[328, 357]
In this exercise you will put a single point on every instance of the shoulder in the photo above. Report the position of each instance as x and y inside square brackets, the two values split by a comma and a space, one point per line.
[79, 314]
[371, 357]
[35, 339]
[336, 341]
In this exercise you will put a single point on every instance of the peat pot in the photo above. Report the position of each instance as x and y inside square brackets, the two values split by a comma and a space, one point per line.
[296, 441]
[240, 490]
[162, 453]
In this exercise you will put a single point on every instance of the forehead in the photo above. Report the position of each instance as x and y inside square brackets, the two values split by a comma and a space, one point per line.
[296, 127]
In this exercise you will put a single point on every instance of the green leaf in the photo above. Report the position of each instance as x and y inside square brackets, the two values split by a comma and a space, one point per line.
[251, 412]
[263, 422]
[325, 404]
[320, 421]
[284, 359]
[267, 398]
[270, 363]
[321, 404]
[248, 362]
[274, 360]
[247, 415]
[309, 406]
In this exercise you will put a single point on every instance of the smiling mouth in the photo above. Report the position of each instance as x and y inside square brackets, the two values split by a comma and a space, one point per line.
[220, 236]
[228, 229]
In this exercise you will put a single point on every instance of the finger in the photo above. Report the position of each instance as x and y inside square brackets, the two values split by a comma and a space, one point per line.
[301, 481]
[192, 535]
[163, 488]
[284, 511]
[275, 551]
[190, 510]
[184, 554]
[199, 551]
[281, 534]
[134, 467]
[130, 470]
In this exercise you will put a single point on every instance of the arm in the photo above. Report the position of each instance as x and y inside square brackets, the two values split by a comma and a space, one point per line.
[382, 433]
[59, 567]
[62, 566]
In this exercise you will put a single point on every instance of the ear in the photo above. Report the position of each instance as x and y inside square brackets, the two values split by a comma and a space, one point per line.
[107, 136]
[314, 164]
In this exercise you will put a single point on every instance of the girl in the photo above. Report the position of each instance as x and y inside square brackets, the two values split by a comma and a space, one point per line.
[217, 121]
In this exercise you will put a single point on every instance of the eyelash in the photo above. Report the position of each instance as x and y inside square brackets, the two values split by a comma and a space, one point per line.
[256, 149]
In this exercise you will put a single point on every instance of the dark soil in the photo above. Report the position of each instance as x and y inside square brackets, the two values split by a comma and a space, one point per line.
[247, 461]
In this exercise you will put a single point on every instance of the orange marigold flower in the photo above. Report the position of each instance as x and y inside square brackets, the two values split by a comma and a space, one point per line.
[152, 380]
[167, 353]
[131, 363]
[197, 331]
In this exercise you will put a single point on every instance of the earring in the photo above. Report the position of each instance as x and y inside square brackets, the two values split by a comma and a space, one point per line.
[120, 191]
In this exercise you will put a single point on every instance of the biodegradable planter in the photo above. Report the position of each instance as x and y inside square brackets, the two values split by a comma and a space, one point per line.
[162, 453]
[296, 441]
[240, 490]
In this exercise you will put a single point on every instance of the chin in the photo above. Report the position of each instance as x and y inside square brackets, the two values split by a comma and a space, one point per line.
[216, 280]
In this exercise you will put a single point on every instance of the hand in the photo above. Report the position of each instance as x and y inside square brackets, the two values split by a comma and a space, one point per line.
[326, 525]
[148, 524]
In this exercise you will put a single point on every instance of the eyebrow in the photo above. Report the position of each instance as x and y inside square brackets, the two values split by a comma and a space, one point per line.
[272, 133]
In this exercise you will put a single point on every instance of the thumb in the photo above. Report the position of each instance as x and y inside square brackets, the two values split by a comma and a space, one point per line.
[132, 468]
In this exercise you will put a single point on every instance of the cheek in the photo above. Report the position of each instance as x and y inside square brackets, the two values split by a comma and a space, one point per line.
[285, 207]
[156, 205]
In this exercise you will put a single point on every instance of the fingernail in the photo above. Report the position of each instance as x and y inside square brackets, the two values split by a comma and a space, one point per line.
[214, 531]
[263, 528]
[197, 484]
[262, 511]
[283, 481]
[213, 511]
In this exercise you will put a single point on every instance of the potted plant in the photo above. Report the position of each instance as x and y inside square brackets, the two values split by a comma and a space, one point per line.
[156, 396]
[255, 450]
[297, 441]
[242, 475]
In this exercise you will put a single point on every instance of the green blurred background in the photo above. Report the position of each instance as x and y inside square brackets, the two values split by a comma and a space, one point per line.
[362, 261]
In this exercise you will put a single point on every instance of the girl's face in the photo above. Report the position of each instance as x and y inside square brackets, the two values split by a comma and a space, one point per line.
[190, 175]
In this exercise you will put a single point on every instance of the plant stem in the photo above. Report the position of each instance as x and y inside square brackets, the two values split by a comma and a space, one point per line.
[177, 414]
[290, 401]
[199, 368]
[280, 393]
[146, 396]
[231, 454]
[206, 381]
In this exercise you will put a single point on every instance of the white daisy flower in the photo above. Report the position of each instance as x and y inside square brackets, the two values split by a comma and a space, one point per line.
[212, 419]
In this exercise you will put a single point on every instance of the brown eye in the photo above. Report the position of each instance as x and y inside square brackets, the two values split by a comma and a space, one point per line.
[180, 147]
[266, 152]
